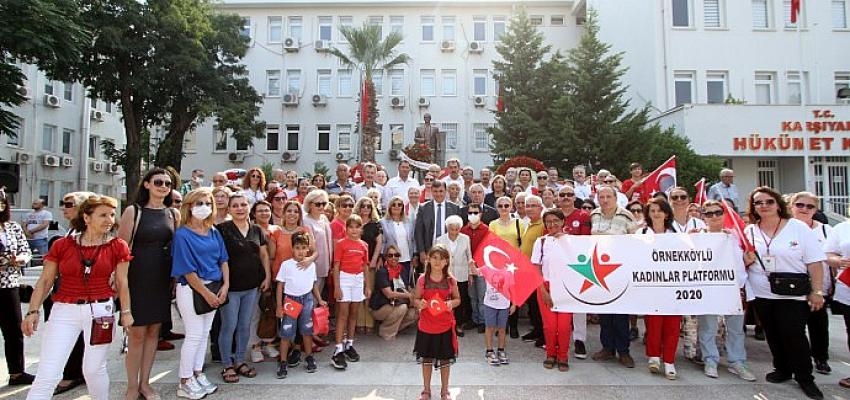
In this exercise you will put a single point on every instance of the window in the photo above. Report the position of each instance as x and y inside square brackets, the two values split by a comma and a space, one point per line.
[190, 141]
[292, 133]
[107, 107]
[344, 76]
[378, 81]
[684, 87]
[94, 104]
[343, 133]
[797, 87]
[842, 80]
[479, 28]
[17, 133]
[681, 13]
[67, 140]
[49, 87]
[449, 28]
[242, 143]
[275, 29]
[326, 28]
[451, 135]
[712, 16]
[324, 82]
[536, 20]
[273, 83]
[377, 20]
[296, 28]
[379, 138]
[397, 136]
[499, 26]
[48, 134]
[766, 172]
[427, 28]
[348, 21]
[481, 138]
[761, 14]
[479, 82]
[68, 94]
[449, 82]
[220, 139]
[246, 27]
[426, 83]
[764, 85]
[396, 82]
[324, 136]
[272, 137]
[45, 189]
[839, 14]
[786, 15]
[293, 81]
[93, 143]
[397, 24]
[715, 87]
[556, 20]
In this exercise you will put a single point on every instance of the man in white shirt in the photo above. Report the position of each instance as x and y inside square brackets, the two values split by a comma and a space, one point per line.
[454, 174]
[581, 186]
[725, 189]
[401, 184]
[486, 175]
[370, 171]
[36, 225]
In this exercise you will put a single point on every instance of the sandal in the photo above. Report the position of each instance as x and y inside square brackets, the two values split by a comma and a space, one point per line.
[228, 375]
[549, 363]
[246, 371]
[425, 395]
[563, 366]
[845, 383]
[445, 396]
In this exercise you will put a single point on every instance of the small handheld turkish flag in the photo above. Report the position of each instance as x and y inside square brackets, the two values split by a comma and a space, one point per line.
[506, 269]
[734, 222]
[291, 308]
[436, 306]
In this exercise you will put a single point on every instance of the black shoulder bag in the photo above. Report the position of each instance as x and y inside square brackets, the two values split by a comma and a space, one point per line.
[785, 283]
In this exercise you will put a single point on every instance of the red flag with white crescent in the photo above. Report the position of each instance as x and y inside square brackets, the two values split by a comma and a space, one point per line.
[663, 178]
[700, 197]
[734, 222]
[505, 268]
[436, 305]
[291, 308]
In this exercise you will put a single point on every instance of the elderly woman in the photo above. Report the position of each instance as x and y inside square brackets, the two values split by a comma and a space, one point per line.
[454, 191]
[14, 254]
[462, 267]
[221, 196]
[784, 245]
[87, 262]
[805, 205]
[317, 223]
[398, 232]
[390, 302]
[375, 194]
[838, 256]
[254, 185]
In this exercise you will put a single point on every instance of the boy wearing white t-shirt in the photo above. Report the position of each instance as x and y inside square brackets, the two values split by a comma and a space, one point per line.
[497, 307]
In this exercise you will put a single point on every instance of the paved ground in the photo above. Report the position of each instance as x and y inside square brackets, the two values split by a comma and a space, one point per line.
[388, 371]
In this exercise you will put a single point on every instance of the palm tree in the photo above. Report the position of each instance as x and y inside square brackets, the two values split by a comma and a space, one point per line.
[367, 53]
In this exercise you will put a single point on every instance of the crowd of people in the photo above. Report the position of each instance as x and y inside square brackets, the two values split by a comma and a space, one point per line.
[250, 262]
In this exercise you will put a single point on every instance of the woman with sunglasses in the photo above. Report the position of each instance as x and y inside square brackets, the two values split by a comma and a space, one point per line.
[498, 188]
[344, 208]
[425, 189]
[14, 254]
[804, 207]
[636, 209]
[277, 198]
[390, 301]
[148, 227]
[736, 353]
[315, 221]
[786, 245]
[254, 184]
[221, 196]
[510, 229]
[373, 235]
[838, 255]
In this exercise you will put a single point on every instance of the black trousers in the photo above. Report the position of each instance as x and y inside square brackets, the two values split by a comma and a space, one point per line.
[784, 323]
[74, 366]
[10, 325]
[818, 325]
[463, 312]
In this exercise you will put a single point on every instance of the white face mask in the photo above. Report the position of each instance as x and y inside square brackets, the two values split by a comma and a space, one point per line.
[474, 218]
[201, 212]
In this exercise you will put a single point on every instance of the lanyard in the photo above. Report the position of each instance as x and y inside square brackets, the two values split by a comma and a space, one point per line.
[772, 237]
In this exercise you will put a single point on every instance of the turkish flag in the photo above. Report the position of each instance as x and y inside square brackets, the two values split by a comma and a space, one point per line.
[795, 10]
[700, 196]
[844, 277]
[505, 268]
[663, 178]
[291, 308]
[437, 306]
[357, 173]
[734, 222]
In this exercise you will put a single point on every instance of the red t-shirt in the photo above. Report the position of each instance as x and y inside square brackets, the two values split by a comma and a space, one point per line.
[338, 230]
[640, 194]
[69, 255]
[577, 223]
[475, 235]
[352, 255]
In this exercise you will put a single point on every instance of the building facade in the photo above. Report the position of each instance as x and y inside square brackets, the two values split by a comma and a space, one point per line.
[59, 142]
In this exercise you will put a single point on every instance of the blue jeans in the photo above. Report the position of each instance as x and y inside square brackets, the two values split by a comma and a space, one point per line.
[614, 333]
[38, 244]
[735, 351]
[476, 289]
[236, 317]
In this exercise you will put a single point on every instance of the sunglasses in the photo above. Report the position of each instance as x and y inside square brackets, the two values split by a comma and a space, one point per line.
[768, 202]
[346, 205]
[680, 197]
[542, 177]
[473, 212]
[804, 205]
[504, 206]
[712, 214]
[365, 207]
[396, 205]
[429, 180]
[276, 198]
[609, 181]
[586, 207]
[255, 176]
[567, 194]
[636, 210]
[67, 204]
[320, 204]
[161, 183]
[393, 255]
[177, 201]
[203, 203]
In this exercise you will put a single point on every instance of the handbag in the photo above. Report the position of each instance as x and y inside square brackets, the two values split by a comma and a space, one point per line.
[267, 327]
[200, 303]
[786, 283]
[101, 327]
[320, 321]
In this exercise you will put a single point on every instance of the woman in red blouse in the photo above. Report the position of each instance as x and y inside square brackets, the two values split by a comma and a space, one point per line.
[86, 262]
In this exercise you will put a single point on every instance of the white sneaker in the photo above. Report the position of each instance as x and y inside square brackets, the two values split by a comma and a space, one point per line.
[710, 369]
[740, 369]
[191, 390]
[654, 364]
[205, 383]
[271, 351]
[670, 371]
[257, 355]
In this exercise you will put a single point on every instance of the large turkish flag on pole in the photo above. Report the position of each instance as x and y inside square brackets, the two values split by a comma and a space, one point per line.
[505, 268]
[663, 178]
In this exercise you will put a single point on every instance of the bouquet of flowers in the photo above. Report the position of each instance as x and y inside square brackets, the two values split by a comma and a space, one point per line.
[521, 161]
[418, 152]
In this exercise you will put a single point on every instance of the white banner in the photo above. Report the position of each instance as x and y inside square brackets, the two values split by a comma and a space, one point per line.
[669, 274]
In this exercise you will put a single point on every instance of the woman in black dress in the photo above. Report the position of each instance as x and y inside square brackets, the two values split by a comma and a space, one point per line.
[373, 235]
[148, 226]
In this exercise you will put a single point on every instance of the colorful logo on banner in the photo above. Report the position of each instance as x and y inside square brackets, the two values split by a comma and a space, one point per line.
[596, 269]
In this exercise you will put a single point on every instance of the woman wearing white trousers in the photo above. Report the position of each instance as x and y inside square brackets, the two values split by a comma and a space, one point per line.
[86, 263]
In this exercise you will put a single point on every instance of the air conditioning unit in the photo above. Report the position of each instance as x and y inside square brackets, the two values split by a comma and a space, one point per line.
[397, 102]
[96, 115]
[114, 168]
[395, 154]
[479, 101]
[97, 166]
[289, 156]
[319, 100]
[25, 92]
[343, 156]
[447, 46]
[476, 47]
[23, 158]
[51, 160]
[290, 100]
[424, 102]
[67, 162]
[322, 46]
[236, 157]
[291, 45]
[52, 101]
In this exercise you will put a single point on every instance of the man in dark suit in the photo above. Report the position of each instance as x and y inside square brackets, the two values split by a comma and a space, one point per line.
[431, 136]
[476, 196]
[431, 219]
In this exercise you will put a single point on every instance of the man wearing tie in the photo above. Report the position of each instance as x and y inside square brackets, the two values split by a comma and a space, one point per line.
[431, 136]
[431, 219]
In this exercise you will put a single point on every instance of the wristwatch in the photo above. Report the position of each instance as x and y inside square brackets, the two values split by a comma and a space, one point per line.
[819, 293]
